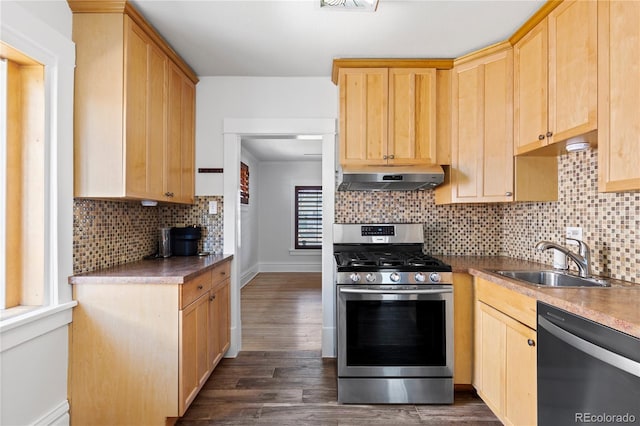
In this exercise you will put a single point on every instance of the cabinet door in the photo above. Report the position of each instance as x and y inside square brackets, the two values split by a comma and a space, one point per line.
[531, 90]
[619, 95]
[492, 352]
[145, 73]
[573, 94]
[179, 162]
[521, 375]
[497, 153]
[187, 142]
[412, 116]
[194, 366]
[363, 116]
[219, 323]
[482, 153]
[466, 150]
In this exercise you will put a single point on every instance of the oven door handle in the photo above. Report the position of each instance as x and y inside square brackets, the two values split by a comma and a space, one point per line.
[391, 291]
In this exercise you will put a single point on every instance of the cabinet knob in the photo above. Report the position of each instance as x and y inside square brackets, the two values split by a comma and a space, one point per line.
[540, 137]
[531, 342]
[384, 157]
[169, 194]
[200, 287]
[508, 193]
[392, 157]
[212, 297]
[549, 134]
[223, 273]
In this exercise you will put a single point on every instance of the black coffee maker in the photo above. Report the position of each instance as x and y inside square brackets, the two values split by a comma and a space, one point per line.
[184, 241]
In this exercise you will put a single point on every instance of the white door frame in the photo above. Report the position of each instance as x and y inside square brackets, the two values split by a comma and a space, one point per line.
[233, 131]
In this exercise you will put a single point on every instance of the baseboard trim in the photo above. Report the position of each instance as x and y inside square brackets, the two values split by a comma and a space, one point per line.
[248, 275]
[290, 267]
[59, 416]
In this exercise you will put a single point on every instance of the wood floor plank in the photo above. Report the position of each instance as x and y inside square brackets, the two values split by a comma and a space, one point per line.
[283, 382]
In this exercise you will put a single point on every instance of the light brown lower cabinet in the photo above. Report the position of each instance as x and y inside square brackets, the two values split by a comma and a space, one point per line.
[140, 353]
[505, 353]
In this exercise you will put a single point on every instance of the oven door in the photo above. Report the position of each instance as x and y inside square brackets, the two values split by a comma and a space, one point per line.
[395, 331]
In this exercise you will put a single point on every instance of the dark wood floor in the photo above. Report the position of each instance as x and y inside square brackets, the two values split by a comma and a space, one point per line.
[298, 387]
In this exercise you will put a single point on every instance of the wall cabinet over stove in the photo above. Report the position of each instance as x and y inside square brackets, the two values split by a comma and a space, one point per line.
[387, 114]
[134, 108]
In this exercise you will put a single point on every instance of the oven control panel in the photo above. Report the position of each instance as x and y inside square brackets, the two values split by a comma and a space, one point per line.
[378, 230]
[394, 278]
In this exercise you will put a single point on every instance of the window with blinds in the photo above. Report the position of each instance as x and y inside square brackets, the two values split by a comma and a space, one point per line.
[308, 232]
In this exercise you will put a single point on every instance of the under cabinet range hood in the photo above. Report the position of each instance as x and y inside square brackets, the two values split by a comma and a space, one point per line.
[390, 178]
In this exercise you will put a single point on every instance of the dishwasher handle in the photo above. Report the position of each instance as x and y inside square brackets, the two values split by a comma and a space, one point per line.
[618, 361]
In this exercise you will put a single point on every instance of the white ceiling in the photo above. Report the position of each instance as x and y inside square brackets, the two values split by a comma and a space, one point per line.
[283, 148]
[298, 38]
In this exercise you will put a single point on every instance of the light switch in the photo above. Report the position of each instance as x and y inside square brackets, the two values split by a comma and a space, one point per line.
[213, 207]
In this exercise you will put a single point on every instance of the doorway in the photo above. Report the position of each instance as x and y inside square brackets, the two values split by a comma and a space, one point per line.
[234, 131]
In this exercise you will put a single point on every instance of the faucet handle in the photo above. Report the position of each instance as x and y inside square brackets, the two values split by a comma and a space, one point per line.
[582, 246]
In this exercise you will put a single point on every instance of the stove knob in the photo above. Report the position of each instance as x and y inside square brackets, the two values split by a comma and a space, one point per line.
[435, 277]
[420, 277]
[355, 277]
[395, 277]
[371, 277]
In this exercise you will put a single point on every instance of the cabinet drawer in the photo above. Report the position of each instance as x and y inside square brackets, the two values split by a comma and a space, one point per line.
[518, 306]
[221, 272]
[195, 288]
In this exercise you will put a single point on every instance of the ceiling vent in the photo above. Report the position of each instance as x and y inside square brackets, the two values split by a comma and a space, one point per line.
[361, 5]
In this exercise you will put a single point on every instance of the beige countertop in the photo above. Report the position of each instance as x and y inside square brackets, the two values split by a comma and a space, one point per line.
[172, 270]
[617, 306]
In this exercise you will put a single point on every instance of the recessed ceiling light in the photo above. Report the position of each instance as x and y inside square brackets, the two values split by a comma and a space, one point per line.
[362, 5]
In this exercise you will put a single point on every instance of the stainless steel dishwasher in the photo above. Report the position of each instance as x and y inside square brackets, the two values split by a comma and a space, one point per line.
[587, 373]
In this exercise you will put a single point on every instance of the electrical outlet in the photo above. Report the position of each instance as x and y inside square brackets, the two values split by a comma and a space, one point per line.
[574, 232]
[213, 207]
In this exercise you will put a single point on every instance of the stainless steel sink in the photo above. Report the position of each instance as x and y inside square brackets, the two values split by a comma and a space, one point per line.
[554, 279]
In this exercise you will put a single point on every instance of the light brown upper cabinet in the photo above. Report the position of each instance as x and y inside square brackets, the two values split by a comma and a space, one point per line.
[481, 146]
[134, 108]
[387, 116]
[179, 159]
[482, 163]
[555, 78]
[618, 95]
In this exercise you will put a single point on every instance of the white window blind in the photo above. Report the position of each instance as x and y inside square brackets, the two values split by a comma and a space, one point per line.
[308, 221]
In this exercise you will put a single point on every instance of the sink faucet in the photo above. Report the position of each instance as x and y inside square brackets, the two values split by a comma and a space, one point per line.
[582, 260]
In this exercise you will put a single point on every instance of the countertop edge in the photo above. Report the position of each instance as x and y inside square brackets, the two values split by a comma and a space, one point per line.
[176, 271]
[575, 305]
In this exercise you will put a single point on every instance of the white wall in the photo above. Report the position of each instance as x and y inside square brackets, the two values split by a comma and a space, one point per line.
[276, 206]
[218, 98]
[249, 213]
[34, 347]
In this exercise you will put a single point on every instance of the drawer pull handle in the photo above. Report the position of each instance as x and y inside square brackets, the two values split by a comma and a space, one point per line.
[200, 287]
[530, 342]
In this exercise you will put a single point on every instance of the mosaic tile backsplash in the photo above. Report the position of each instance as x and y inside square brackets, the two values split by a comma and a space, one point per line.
[610, 222]
[109, 233]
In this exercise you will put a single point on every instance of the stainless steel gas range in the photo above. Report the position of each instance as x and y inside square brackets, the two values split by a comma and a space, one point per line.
[394, 317]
